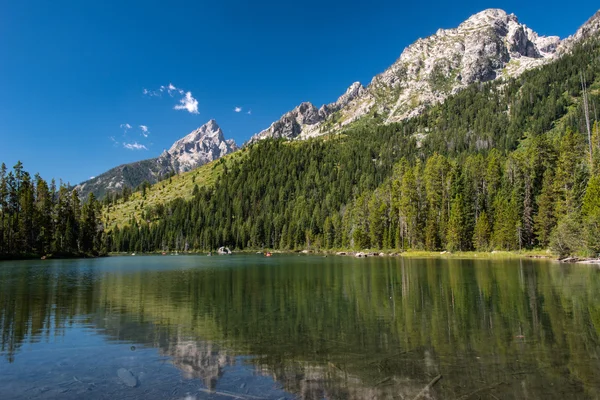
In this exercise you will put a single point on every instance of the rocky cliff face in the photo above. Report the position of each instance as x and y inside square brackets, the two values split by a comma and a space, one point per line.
[489, 45]
[201, 146]
[306, 120]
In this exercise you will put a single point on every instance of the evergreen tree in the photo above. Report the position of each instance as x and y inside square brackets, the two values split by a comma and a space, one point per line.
[591, 214]
[481, 234]
[545, 219]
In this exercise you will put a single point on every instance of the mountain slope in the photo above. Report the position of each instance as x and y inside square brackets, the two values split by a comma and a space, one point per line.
[121, 212]
[201, 146]
[489, 45]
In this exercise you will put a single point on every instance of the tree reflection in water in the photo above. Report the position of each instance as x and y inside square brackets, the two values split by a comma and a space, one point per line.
[329, 327]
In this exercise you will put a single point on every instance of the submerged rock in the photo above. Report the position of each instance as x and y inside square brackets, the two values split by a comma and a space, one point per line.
[127, 377]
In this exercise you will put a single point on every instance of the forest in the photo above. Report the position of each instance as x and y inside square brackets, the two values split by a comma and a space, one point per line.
[41, 220]
[505, 165]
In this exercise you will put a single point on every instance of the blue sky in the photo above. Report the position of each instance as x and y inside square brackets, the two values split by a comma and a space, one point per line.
[72, 73]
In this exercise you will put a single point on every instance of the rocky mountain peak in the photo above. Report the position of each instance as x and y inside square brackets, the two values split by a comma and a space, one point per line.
[202, 145]
[305, 120]
[489, 17]
[489, 45]
[210, 129]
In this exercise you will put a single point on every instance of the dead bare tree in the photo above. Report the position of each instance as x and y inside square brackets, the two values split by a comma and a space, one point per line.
[587, 116]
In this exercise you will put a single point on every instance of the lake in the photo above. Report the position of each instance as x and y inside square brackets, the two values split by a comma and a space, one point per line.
[289, 326]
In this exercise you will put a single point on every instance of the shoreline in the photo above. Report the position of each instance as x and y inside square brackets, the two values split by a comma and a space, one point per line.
[29, 257]
[460, 255]
[534, 254]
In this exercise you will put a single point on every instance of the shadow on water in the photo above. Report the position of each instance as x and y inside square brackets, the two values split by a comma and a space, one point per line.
[298, 327]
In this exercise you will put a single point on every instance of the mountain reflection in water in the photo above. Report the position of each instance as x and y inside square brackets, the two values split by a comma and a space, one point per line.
[299, 327]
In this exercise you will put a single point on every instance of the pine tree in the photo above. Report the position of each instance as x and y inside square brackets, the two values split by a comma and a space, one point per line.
[481, 234]
[591, 214]
[506, 222]
[456, 235]
[545, 220]
[409, 209]
[570, 166]
[566, 237]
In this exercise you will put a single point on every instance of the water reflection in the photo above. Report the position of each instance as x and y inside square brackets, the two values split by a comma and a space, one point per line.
[333, 327]
[201, 360]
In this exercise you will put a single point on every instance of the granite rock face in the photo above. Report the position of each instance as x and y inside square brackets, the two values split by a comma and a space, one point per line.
[306, 120]
[201, 146]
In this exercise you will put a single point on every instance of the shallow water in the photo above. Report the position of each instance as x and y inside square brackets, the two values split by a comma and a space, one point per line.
[290, 326]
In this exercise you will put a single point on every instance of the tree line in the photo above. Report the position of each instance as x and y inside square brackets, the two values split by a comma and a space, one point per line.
[41, 219]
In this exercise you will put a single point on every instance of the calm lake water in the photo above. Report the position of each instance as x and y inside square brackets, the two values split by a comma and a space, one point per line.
[246, 327]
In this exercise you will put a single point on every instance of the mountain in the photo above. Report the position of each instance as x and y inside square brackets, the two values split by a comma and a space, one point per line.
[201, 146]
[489, 45]
[306, 119]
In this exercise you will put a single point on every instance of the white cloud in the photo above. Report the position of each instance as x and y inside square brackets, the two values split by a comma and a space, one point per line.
[145, 130]
[188, 103]
[249, 112]
[112, 138]
[125, 127]
[134, 146]
[170, 88]
[150, 93]
[92, 177]
[237, 109]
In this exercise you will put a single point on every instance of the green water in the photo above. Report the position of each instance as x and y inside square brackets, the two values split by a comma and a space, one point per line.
[245, 326]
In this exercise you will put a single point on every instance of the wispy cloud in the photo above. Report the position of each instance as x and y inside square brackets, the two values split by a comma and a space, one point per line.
[115, 141]
[249, 112]
[145, 130]
[134, 146]
[188, 103]
[125, 128]
[237, 109]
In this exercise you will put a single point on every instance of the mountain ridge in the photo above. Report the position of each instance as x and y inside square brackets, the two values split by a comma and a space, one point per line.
[489, 45]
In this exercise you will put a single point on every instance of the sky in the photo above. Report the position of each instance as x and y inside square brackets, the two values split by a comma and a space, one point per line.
[89, 85]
